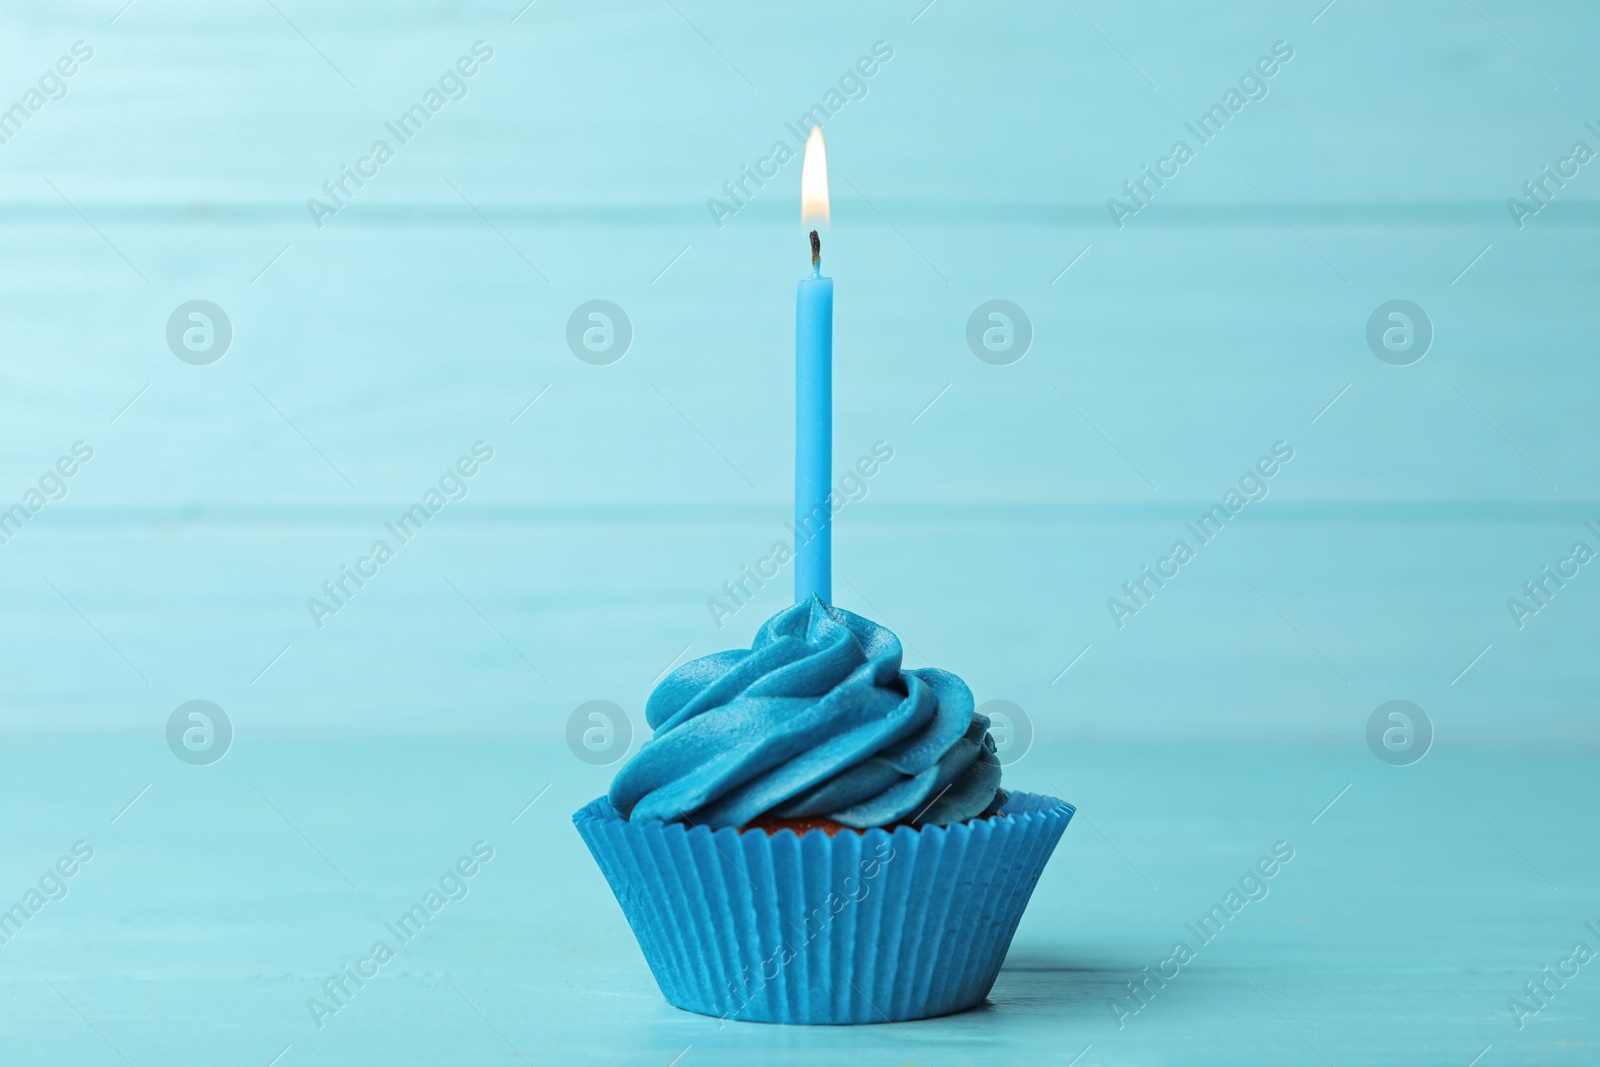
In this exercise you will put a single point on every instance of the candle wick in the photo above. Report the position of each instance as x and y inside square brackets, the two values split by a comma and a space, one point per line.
[816, 249]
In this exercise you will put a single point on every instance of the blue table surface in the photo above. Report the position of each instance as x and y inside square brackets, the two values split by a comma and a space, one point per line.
[1414, 908]
[374, 746]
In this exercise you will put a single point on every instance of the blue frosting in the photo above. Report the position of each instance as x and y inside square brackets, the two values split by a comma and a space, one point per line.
[815, 719]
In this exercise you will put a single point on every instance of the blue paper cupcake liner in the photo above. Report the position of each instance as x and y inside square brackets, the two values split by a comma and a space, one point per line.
[869, 927]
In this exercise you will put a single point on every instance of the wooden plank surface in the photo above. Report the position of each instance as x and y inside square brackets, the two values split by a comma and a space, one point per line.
[429, 313]
[1414, 908]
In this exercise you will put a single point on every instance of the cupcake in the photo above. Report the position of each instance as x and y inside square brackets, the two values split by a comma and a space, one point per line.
[814, 835]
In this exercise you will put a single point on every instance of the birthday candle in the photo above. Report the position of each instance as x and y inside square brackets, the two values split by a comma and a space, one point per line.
[813, 393]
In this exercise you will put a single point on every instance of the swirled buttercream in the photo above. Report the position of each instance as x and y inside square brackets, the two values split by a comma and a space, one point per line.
[815, 719]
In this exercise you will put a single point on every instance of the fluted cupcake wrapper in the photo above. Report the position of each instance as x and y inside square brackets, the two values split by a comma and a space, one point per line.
[877, 926]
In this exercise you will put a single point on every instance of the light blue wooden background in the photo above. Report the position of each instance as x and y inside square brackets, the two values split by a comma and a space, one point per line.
[370, 353]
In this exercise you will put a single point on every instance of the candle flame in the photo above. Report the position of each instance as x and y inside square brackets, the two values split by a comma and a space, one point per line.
[814, 180]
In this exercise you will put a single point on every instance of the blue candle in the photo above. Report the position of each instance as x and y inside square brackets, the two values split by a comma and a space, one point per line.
[813, 396]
